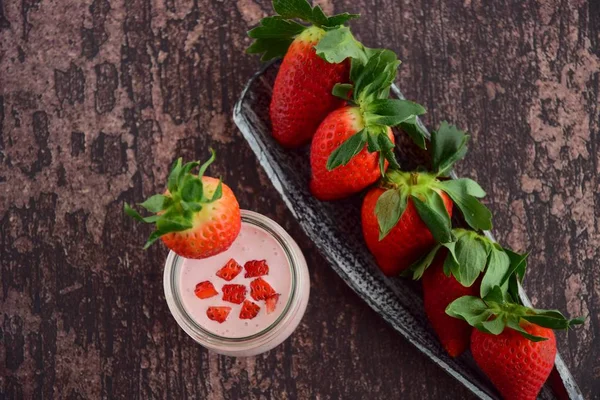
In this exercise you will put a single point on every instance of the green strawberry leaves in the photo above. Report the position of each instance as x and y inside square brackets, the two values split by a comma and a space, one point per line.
[391, 112]
[433, 213]
[389, 208]
[465, 194]
[301, 9]
[291, 9]
[175, 210]
[428, 203]
[275, 34]
[344, 153]
[498, 308]
[471, 252]
[493, 313]
[467, 257]
[339, 44]
[448, 145]
[156, 203]
[372, 81]
[415, 131]
[343, 90]
[498, 264]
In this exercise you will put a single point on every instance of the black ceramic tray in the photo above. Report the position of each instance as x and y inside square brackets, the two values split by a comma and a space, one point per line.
[335, 229]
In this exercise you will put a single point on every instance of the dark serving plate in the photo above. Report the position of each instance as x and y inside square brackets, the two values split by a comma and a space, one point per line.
[334, 228]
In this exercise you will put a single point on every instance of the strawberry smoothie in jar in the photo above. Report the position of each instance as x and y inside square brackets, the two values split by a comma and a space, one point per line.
[245, 300]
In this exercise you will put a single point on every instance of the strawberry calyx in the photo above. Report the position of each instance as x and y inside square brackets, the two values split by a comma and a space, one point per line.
[467, 258]
[174, 211]
[276, 33]
[369, 92]
[498, 306]
[424, 189]
[495, 312]
[501, 306]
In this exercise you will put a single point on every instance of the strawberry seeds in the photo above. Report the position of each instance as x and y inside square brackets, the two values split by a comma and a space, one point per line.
[260, 290]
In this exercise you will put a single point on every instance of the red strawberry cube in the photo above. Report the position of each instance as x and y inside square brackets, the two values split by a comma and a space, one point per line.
[271, 303]
[260, 289]
[204, 290]
[229, 270]
[249, 310]
[218, 314]
[256, 268]
[234, 293]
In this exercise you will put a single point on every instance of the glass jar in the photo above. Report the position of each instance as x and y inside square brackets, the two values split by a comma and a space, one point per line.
[271, 335]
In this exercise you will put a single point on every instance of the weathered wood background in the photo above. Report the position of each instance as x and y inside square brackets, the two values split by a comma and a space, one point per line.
[97, 97]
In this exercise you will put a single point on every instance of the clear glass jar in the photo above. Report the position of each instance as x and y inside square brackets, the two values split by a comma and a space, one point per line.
[270, 336]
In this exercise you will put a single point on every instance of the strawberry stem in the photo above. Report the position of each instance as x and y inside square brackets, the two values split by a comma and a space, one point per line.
[414, 178]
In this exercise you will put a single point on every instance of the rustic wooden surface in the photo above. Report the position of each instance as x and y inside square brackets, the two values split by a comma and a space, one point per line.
[97, 97]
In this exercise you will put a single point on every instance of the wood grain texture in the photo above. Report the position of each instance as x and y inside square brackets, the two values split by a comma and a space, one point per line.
[97, 97]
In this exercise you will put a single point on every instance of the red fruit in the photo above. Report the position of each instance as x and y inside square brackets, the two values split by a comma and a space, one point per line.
[440, 290]
[517, 366]
[204, 290]
[256, 268]
[260, 289]
[361, 171]
[229, 270]
[406, 242]
[271, 303]
[249, 310]
[234, 293]
[196, 217]
[218, 314]
[215, 227]
[302, 92]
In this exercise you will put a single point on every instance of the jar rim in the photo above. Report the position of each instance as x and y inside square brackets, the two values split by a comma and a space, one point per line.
[264, 336]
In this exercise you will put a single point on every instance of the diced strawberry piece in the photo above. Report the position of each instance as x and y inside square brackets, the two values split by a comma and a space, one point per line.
[256, 268]
[218, 314]
[249, 310]
[205, 289]
[230, 270]
[234, 293]
[260, 289]
[271, 303]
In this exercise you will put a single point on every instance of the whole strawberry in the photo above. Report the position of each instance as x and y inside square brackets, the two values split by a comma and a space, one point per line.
[302, 91]
[354, 144]
[439, 290]
[517, 366]
[361, 171]
[409, 238]
[409, 212]
[197, 217]
[471, 266]
[514, 345]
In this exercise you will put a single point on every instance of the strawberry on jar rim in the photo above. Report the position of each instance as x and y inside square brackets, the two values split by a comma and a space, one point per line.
[409, 212]
[197, 217]
[314, 60]
[354, 145]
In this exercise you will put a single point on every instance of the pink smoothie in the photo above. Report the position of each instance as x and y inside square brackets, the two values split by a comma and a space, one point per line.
[253, 243]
